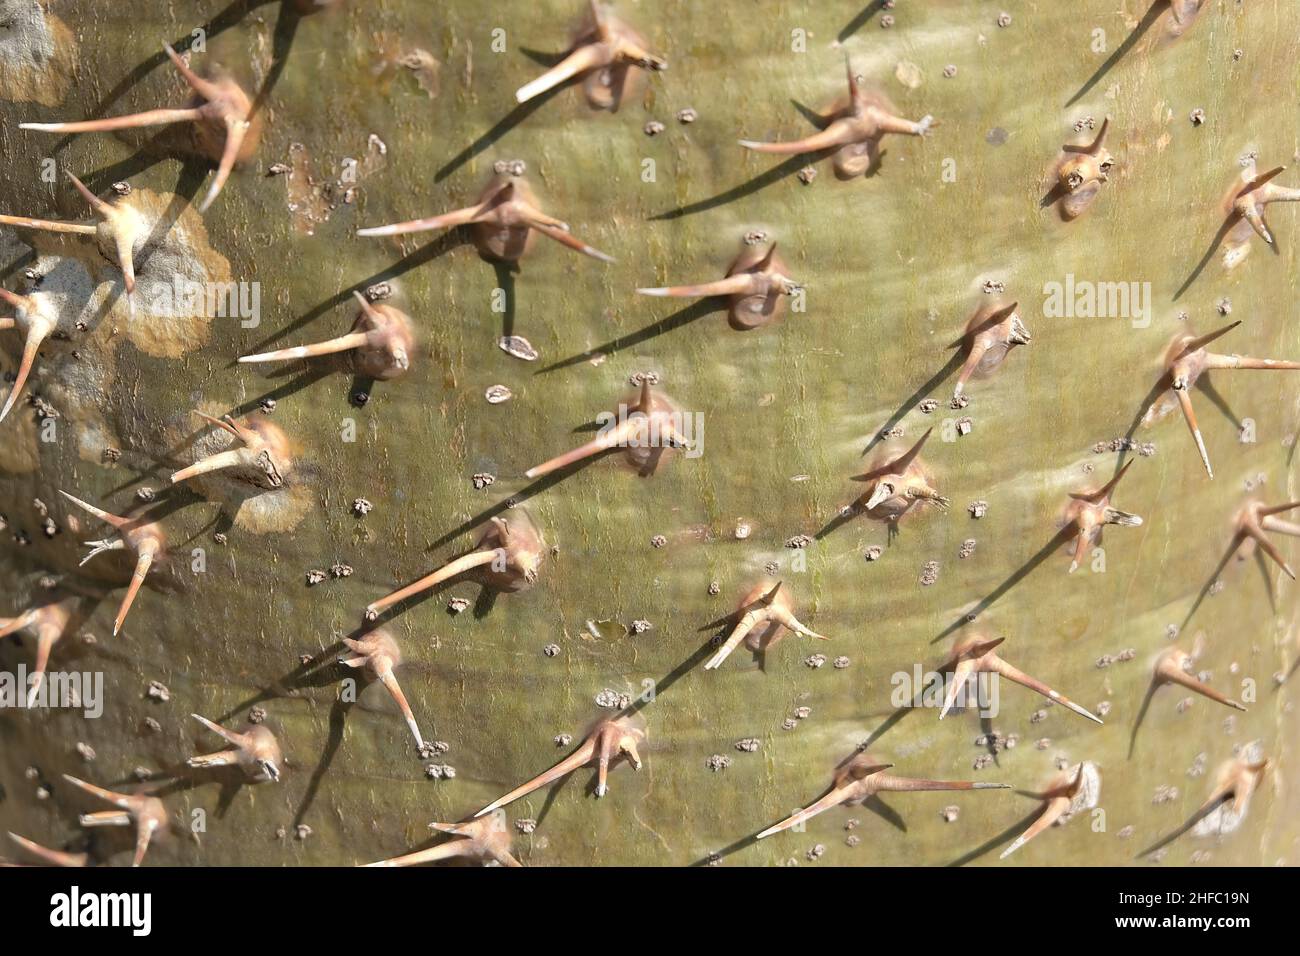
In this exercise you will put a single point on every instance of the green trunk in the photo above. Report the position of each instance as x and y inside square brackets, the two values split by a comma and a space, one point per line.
[893, 264]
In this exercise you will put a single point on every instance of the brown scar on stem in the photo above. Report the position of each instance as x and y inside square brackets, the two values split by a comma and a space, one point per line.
[650, 428]
[48, 623]
[226, 126]
[486, 840]
[856, 128]
[147, 814]
[606, 49]
[975, 654]
[379, 344]
[378, 653]
[256, 752]
[609, 741]
[991, 333]
[1254, 519]
[503, 221]
[1187, 359]
[508, 557]
[262, 453]
[119, 227]
[897, 484]
[35, 317]
[1174, 666]
[764, 612]
[144, 537]
[1089, 512]
[47, 856]
[1067, 792]
[864, 777]
[755, 286]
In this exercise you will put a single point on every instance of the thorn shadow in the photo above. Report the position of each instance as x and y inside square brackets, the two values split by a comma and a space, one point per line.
[694, 311]
[787, 168]
[1057, 542]
[935, 380]
[862, 16]
[1153, 13]
[1006, 836]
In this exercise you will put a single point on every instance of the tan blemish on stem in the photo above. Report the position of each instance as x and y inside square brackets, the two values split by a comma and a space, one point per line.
[38, 54]
[182, 285]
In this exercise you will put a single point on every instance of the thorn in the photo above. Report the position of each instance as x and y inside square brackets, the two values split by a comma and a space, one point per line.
[607, 742]
[1236, 780]
[1089, 512]
[1254, 196]
[35, 318]
[755, 286]
[764, 612]
[147, 814]
[1256, 518]
[145, 538]
[898, 484]
[380, 343]
[48, 623]
[255, 751]
[50, 857]
[991, 333]
[608, 45]
[975, 654]
[226, 112]
[1069, 792]
[484, 840]
[1174, 666]
[864, 777]
[503, 221]
[509, 560]
[856, 129]
[262, 454]
[1186, 359]
[645, 430]
[379, 653]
